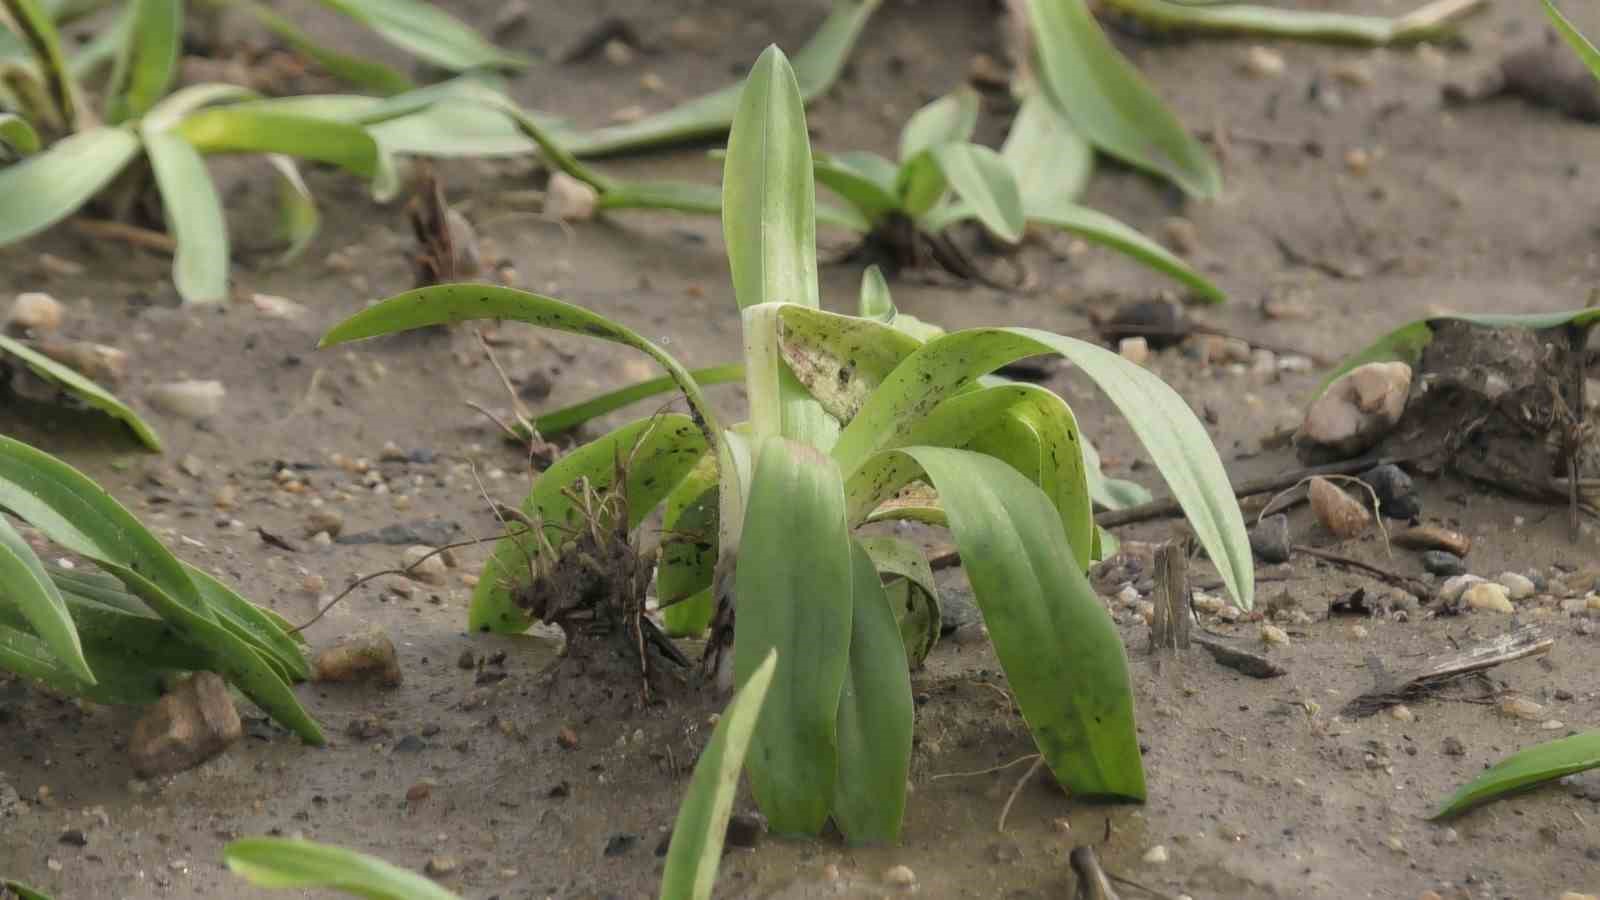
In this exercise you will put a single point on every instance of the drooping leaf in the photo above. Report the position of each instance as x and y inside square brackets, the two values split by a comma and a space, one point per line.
[299, 863]
[950, 119]
[768, 191]
[298, 218]
[25, 584]
[1050, 159]
[875, 716]
[1100, 228]
[913, 594]
[983, 180]
[260, 627]
[1424, 23]
[1109, 102]
[689, 551]
[702, 823]
[233, 129]
[840, 360]
[17, 137]
[429, 33]
[1063, 659]
[816, 65]
[171, 109]
[567, 418]
[872, 200]
[47, 187]
[450, 303]
[82, 388]
[657, 452]
[194, 216]
[793, 582]
[367, 73]
[1580, 44]
[149, 60]
[1166, 426]
[1528, 768]
[22, 891]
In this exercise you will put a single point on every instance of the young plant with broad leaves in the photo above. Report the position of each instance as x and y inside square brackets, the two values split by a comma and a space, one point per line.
[855, 420]
[142, 135]
[117, 636]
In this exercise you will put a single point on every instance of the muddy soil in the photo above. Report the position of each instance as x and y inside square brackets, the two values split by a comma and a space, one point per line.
[1257, 788]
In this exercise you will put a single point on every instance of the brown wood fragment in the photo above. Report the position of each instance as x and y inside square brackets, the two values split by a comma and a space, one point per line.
[1434, 672]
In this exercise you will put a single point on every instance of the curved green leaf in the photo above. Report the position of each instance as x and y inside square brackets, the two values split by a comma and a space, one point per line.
[817, 65]
[39, 33]
[47, 187]
[702, 823]
[172, 108]
[911, 590]
[793, 584]
[428, 32]
[768, 191]
[1242, 18]
[235, 129]
[367, 73]
[657, 452]
[149, 58]
[875, 302]
[982, 179]
[1109, 102]
[689, 551]
[16, 135]
[1530, 767]
[258, 626]
[82, 388]
[25, 585]
[950, 119]
[1050, 159]
[297, 863]
[1062, 655]
[450, 303]
[875, 716]
[920, 185]
[1580, 44]
[194, 216]
[565, 419]
[1173, 436]
[298, 218]
[22, 891]
[1102, 229]
[840, 359]
[871, 200]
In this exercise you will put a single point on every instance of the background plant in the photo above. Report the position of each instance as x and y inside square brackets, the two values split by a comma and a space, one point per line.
[845, 412]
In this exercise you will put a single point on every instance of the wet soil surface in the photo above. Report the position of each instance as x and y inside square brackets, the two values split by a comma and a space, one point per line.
[1351, 191]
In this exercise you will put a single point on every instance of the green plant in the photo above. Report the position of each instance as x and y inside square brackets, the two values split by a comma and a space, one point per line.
[143, 134]
[1526, 769]
[846, 414]
[117, 637]
[1579, 44]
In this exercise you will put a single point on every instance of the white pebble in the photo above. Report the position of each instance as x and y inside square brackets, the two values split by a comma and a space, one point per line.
[1518, 587]
[190, 399]
[1156, 855]
[35, 312]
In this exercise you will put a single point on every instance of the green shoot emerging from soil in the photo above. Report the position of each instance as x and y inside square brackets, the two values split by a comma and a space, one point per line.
[852, 420]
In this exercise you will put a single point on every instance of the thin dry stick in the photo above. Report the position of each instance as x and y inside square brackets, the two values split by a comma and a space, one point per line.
[307, 398]
[1410, 585]
[989, 771]
[1038, 760]
[107, 230]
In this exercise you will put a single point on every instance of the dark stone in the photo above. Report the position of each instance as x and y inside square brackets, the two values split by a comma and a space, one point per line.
[1440, 562]
[1397, 497]
[74, 837]
[956, 609]
[619, 844]
[410, 744]
[1270, 539]
[745, 830]
[1452, 746]
[432, 532]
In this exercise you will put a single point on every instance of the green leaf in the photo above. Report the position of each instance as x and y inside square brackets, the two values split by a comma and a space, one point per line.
[25, 584]
[429, 33]
[149, 59]
[1108, 101]
[367, 73]
[298, 219]
[840, 359]
[875, 716]
[172, 108]
[194, 216]
[951, 119]
[689, 551]
[22, 891]
[920, 185]
[768, 191]
[1241, 18]
[1111, 493]
[1173, 436]
[875, 302]
[1580, 44]
[911, 590]
[657, 452]
[1062, 655]
[1530, 767]
[865, 195]
[82, 388]
[1102, 229]
[982, 179]
[1050, 159]
[256, 625]
[793, 584]
[297, 863]
[38, 31]
[232, 129]
[77, 514]
[702, 823]
[16, 135]
[817, 65]
[47, 187]
[565, 419]
[450, 303]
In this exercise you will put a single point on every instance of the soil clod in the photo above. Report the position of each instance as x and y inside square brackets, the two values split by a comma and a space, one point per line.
[185, 728]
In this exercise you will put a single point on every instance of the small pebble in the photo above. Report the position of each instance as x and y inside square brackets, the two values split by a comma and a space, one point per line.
[568, 199]
[900, 876]
[1156, 855]
[1181, 236]
[1402, 713]
[324, 520]
[1453, 588]
[1441, 562]
[1272, 634]
[190, 399]
[1263, 62]
[1396, 492]
[1270, 539]
[1489, 597]
[1338, 512]
[423, 564]
[33, 311]
[1521, 708]
[441, 865]
[1518, 587]
[1134, 349]
[1433, 537]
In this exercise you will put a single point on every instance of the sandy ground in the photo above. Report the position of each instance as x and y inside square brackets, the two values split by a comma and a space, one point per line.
[1257, 788]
